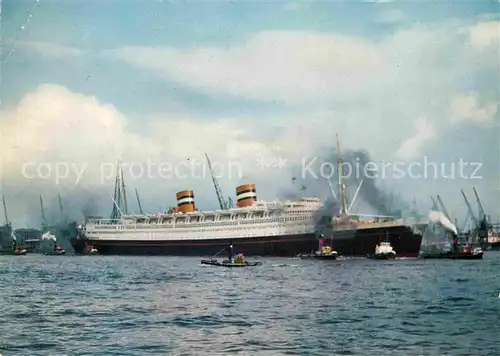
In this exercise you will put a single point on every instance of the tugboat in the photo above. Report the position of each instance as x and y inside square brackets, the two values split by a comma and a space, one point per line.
[239, 261]
[89, 249]
[384, 251]
[19, 251]
[59, 251]
[14, 249]
[55, 250]
[466, 252]
[435, 244]
[324, 252]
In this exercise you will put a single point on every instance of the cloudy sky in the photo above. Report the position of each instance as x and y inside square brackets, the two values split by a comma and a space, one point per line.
[86, 83]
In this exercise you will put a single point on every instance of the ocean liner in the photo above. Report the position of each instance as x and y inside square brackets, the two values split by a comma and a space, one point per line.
[254, 227]
[258, 228]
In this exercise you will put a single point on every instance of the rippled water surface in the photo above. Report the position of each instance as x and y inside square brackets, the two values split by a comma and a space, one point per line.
[96, 305]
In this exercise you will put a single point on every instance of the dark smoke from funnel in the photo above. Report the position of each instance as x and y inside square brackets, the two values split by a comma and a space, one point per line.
[370, 193]
[76, 205]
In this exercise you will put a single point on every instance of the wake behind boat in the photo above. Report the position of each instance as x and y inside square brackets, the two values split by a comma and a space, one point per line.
[238, 261]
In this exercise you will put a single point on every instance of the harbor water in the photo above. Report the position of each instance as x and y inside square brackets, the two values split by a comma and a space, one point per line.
[106, 305]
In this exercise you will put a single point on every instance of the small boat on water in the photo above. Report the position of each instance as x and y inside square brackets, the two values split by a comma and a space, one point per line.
[324, 252]
[20, 251]
[57, 251]
[238, 261]
[465, 253]
[227, 263]
[90, 250]
[384, 251]
[436, 241]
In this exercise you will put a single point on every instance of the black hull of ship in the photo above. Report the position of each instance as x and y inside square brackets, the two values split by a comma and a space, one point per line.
[495, 246]
[279, 246]
[359, 242]
[78, 245]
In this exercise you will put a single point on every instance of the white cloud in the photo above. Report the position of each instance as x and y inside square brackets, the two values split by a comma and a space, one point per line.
[345, 84]
[486, 34]
[368, 91]
[275, 65]
[465, 107]
[312, 68]
[55, 125]
[411, 147]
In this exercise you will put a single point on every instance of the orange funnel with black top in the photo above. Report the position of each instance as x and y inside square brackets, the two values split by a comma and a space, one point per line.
[185, 201]
[245, 195]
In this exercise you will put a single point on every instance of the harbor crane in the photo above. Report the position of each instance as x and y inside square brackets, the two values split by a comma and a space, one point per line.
[223, 204]
[435, 205]
[470, 212]
[44, 219]
[482, 215]
[480, 231]
[138, 202]
[7, 222]
[61, 211]
[443, 208]
[484, 225]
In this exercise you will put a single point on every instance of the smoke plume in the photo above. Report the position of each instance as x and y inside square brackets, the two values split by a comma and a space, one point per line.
[355, 166]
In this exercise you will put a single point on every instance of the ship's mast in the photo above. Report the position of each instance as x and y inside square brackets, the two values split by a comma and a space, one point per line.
[343, 211]
[61, 208]
[443, 209]
[124, 195]
[116, 195]
[120, 196]
[354, 198]
[138, 202]
[7, 222]
[222, 203]
[44, 219]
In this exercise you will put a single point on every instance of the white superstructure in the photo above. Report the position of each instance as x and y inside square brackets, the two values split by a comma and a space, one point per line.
[252, 219]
